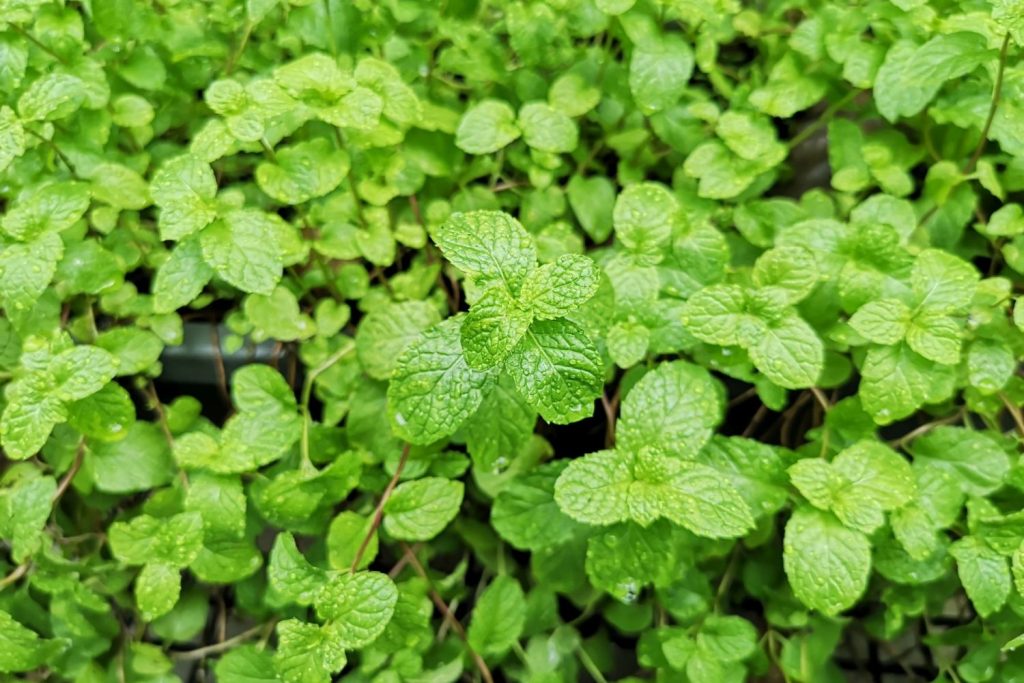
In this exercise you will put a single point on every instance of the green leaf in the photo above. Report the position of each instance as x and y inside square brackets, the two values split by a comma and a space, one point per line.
[884, 321]
[942, 282]
[718, 315]
[628, 343]
[500, 428]
[306, 653]
[557, 289]
[858, 486]
[486, 127]
[54, 207]
[826, 563]
[419, 510]
[345, 536]
[498, 617]
[755, 469]
[357, 606]
[243, 249]
[81, 371]
[659, 71]
[220, 501]
[135, 350]
[990, 365]
[896, 381]
[911, 76]
[727, 638]
[674, 408]
[973, 459]
[433, 389]
[30, 415]
[525, 513]
[137, 461]
[644, 216]
[546, 129]
[246, 663]
[493, 327]
[24, 511]
[290, 575]
[984, 573]
[157, 588]
[26, 269]
[790, 271]
[181, 278]
[22, 649]
[12, 137]
[184, 188]
[936, 337]
[751, 137]
[488, 243]
[615, 486]
[592, 200]
[303, 171]
[789, 353]
[387, 331]
[557, 370]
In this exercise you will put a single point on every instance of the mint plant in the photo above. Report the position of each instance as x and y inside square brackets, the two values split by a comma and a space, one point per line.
[581, 340]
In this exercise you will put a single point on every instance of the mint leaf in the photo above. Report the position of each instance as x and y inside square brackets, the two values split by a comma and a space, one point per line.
[494, 326]
[357, 607]
[21, 649]
[157, 589]
[674, 408]
[789, 353]
[546, 129]
[184, 188]
[557, 370]
[306, 653]
[498, 617]
[488, 243]
[883, 322]
[557, 289]
[826, 563]
[242, 248]
[984, 573]
[433, 389]
[487, 127]
[419, 510]
[303, 171]
[386, 332]
[911, 75]
[612, 486]
[525, 512]
[658, 72]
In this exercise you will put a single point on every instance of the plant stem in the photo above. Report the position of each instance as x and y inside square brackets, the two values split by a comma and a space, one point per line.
[229, 66]
[439, 602]
[307, 394]
[378, 513]
[996, 92]
[822, 120]
[1015, 413]
[203, 652]
[590, 666]
[821, 398]
[62, 487]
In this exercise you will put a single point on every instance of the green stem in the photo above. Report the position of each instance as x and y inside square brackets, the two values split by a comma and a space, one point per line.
[823, 120]
[589, 665]
[307, 393]
[268, 150]
[229, 66]
[996, 92]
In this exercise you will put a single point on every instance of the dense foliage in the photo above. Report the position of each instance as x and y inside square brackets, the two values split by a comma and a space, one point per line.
[609, 339]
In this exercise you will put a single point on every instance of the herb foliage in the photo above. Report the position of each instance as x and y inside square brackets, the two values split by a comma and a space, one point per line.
[582, 368]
